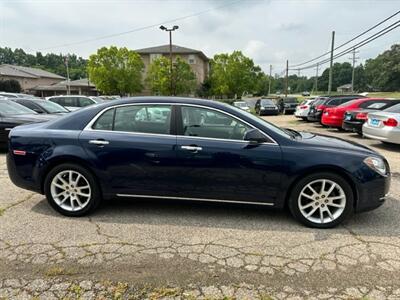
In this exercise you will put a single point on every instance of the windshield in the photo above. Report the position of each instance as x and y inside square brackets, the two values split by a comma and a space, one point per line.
[290, 100]
[97, 99]
[9, 108]
[393, 109]
[267, 102]
[52, 107]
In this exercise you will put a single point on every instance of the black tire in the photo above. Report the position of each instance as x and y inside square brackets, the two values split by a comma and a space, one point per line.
[294, 205]
[94, 200]
[304, 119]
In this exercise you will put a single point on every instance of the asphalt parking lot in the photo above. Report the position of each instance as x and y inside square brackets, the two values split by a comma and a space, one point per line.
[162, 249]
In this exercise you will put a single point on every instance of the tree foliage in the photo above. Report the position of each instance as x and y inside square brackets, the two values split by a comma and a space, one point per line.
[116, 70]
[51, 62]
[383, 72]
[159, 77]
[11, 86]
[233, 74]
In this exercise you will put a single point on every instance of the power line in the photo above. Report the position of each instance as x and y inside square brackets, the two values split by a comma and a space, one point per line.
[349, 41]
[140, 28]
[356, 46]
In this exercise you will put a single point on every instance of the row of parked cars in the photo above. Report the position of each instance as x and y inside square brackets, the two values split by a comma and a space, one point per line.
[17, 109]
[271, 106]
[376, 118]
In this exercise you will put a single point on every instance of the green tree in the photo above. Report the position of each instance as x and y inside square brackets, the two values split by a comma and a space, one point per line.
[233, 74]
[10, 85]
[159, 78]
[341, 74]
[383, 72]
[116, 70]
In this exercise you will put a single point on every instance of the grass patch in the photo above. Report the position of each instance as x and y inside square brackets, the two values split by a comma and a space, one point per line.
[385, 94]
[2, 211]
[57, 271]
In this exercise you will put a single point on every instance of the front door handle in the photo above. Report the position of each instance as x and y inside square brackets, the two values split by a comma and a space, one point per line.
[99, 142]
[192, 148]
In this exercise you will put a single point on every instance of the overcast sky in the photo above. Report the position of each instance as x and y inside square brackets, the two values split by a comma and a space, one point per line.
[268, 31]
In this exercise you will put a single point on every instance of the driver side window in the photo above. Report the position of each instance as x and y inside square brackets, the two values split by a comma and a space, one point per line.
[203, 122]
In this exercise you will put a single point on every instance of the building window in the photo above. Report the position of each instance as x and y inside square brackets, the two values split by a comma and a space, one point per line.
[191, 59]
[154, 56]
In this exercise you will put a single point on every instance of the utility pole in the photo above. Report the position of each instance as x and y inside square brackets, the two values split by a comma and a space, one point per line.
[169, 30]
[316, 78]
[286, 81]
[331, 64]
[354, 58]
[66, 65]
[269, 81]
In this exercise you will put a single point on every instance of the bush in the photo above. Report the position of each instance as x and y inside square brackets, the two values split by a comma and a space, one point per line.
[10, 86]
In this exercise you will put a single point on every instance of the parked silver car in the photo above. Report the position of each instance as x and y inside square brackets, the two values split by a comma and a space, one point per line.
[74, 102]
[384, 126]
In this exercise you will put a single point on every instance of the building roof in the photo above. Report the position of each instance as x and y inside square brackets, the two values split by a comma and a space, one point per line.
[345, 86]
[164, 49]
[27, 72]
[62, 85]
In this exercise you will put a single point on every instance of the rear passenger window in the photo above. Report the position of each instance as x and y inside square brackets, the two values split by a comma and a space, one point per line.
[105, 121]
[145, 119]
[69, 101]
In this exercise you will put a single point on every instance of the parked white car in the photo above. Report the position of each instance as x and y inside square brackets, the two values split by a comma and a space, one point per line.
[74, 102]
[303, 109]
[242, 105]
[384, 126]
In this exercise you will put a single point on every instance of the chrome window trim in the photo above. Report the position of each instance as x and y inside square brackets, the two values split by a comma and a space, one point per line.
[89, 126]
[194, 199]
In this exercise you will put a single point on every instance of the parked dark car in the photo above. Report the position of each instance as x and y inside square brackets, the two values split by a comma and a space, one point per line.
[355, 119]
[266, 107]
[322, 102]
[42, 106]
[287, 105]
[13, 114]
[106, 151]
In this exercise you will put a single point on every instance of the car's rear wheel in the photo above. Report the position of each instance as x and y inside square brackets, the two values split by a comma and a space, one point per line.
[72, 190]
[321, 200]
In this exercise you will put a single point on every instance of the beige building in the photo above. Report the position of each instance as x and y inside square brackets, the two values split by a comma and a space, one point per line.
[197, 60]
[28, 78]
[76, 87]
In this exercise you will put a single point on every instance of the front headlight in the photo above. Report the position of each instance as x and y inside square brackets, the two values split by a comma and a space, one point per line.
[376, 164]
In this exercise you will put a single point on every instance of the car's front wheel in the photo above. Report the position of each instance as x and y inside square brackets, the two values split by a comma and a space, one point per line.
[321, 200]
[72, 190]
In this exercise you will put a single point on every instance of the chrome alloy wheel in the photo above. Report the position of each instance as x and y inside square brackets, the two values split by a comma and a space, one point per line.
[322, 201]
[70, 190]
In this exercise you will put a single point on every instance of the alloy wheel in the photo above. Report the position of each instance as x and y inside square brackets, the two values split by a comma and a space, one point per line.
[322, 201]
[70, 190]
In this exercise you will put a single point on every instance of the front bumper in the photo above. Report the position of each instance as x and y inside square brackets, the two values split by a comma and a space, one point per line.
[314, 117]
[373, 193]
[269, 112]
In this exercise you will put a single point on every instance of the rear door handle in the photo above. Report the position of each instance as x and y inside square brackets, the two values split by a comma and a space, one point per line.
[192, 148]
[99, 142]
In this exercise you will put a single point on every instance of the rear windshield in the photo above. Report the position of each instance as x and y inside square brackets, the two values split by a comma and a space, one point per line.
[53, 107]
[393, 109]
[351, 102]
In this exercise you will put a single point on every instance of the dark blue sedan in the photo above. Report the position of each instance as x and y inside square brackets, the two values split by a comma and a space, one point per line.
[198, 150]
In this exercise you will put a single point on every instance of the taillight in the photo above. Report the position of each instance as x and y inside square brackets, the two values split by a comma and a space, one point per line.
[362, 116]
[390, 122]
[304, 106]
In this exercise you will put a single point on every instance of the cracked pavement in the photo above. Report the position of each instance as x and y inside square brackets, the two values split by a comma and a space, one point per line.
[186, 250]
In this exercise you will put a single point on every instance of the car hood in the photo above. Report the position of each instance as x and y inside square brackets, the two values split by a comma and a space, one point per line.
[329, 142]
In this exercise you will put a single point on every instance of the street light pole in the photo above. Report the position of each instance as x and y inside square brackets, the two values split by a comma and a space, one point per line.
[169, 30]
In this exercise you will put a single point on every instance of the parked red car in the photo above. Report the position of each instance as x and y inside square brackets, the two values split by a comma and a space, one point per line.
[333, 117]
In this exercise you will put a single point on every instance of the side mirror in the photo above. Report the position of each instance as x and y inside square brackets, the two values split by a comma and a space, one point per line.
[254, 136]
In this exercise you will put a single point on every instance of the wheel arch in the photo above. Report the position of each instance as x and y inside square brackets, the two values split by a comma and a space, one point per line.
[321, 169]
[65, 159]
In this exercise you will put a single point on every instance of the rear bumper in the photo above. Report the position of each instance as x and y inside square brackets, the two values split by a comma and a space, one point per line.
[17, 179]
[332, 121]
[352, 126]
[385, 134]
